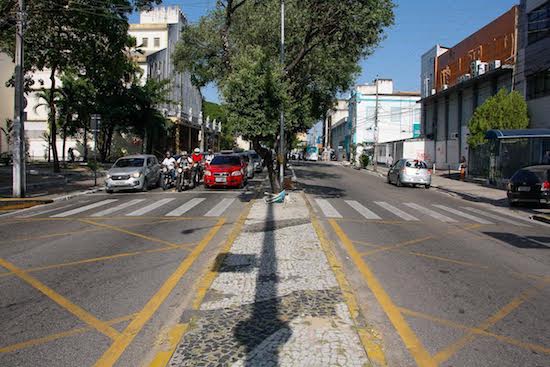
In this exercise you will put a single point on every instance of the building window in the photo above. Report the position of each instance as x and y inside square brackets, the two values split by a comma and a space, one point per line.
[538, 85]
[538, 23]
[144, 42]
[396, 114]
[157, 42]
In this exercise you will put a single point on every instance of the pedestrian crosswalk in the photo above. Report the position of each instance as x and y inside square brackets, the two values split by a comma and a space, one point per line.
[122, 207]
[414, 212]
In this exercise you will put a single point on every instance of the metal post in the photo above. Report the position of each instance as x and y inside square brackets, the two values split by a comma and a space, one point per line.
[95, 125]
[282, 116]
[376, 128]
[19, 178]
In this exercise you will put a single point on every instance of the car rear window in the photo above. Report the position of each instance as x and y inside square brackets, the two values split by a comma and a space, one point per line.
[129, 162]
[416, 164]
[225, 159]
[527, 176]
[542, 174]
[255, 156]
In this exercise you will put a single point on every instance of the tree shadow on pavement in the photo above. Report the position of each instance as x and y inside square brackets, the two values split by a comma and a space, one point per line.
[264, 324]
[323, 191]
[527, 242]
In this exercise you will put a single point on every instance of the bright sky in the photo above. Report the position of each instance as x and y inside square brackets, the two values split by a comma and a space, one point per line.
[419, 24]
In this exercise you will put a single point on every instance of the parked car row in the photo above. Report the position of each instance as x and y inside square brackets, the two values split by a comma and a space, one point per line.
[143, 171]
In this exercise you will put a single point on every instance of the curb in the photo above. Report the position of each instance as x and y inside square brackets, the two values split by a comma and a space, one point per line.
[21, 203]
[541, 218]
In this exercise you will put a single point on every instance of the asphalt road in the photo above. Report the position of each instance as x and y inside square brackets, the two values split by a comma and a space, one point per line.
[98, 278]
[442, 284]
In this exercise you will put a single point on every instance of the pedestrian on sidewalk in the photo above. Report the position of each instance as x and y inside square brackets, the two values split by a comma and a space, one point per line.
[462, 168]
[71, 155]
[389, 161]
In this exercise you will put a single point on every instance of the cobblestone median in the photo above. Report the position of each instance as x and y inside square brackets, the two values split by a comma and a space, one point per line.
[275, 301]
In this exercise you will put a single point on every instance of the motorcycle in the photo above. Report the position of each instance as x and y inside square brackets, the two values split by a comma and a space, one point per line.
[167, 180]
[197, 173]
[184, 179]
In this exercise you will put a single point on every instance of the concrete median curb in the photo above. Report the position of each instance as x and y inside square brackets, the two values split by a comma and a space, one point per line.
[16, 203]
[541, 218]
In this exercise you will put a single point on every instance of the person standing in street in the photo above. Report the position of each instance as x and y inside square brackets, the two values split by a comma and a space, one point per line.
[389, 161]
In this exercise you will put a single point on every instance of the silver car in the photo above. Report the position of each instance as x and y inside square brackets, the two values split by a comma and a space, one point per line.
[410, 172]
[257, 160]
[138, 172]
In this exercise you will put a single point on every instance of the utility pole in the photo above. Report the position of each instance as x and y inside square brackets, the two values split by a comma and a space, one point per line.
[19, 178]
[375, 163]
[282, 117]
[95, 125]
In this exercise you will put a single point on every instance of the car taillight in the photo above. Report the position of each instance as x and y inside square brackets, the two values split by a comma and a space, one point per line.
[430, 171]
[236, 173]
[546, 186]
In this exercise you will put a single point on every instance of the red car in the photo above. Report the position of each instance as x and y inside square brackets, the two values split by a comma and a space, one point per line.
[226, 171]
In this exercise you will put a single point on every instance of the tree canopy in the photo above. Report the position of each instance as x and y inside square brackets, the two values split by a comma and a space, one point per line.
[502, 111]
[236, 46]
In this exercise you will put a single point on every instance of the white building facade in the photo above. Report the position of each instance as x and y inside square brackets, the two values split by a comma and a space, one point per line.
[395, 114]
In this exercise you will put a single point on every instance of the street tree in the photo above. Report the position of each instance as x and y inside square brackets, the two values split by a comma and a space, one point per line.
[505, 110]
[236, 46]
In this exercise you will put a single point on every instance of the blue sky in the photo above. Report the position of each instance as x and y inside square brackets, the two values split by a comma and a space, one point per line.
[419, 24]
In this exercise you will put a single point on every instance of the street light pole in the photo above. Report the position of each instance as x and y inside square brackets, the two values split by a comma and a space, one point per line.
[19, 178]
[282, 114]
[375, 163]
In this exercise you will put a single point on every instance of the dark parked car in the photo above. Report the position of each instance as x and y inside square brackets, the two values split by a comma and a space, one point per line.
[530, 185]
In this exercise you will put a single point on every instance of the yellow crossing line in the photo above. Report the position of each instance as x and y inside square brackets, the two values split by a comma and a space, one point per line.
[178, 331]
[111, 356]
[451, 349]
[371, 342]
[78, 311]
[102, 258]
[411, 340]
[63, 334]
[456, 325]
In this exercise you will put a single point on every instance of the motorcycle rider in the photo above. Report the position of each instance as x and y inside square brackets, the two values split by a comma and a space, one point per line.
[170, 163]
[209, 156]
[184, 160]
[197, 158]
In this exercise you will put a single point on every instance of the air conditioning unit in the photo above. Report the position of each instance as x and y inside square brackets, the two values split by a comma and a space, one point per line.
[454, 136]
[482, 68]
[495, 64]
[474, 66]
[433, 91]
[445, 86]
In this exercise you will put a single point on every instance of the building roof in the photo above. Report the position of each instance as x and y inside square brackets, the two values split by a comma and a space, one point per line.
[517, 133]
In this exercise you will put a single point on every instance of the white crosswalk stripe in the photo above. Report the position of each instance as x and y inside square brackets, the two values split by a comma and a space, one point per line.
[218, 210]
[149, 208]
[431, 213]
[44, 211]
[84, 208]
[494, 216]
[463, 215]
[328, 210]
[185, 207]
[365, 212]
[117, 208]
[400, 213]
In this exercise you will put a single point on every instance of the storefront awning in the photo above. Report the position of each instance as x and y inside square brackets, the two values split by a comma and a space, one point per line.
[518, 133]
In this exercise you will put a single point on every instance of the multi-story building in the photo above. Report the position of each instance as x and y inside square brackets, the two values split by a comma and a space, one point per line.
[156, 36]
[6, 99]
[337, 126]
[428, 66]
[466, 75]
[379, 114]
[533, 64]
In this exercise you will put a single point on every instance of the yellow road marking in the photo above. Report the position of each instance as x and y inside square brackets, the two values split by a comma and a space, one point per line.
[102, 258]
[371, 343]
[79, 231]
[397, 245]
[63, 334]
[451, 349]
[174, 336]
[135, 234]
[456, 325]
[162, 358]
[120, 344]
[62, 301]
[412, 342]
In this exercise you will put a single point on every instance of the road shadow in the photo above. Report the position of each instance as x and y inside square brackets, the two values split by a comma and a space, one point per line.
[323, 191]
[525, 242]
[264, 324]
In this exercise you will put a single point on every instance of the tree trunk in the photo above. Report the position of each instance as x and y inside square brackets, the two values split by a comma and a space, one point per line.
[268, 162]
[63, 146]
[53, 125]
[85, 143]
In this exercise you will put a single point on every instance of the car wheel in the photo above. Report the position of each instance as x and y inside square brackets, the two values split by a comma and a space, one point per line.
[398, 182]
[427, 186]
[512, 203]
[145, 186]
[388, 179]
[108, 191]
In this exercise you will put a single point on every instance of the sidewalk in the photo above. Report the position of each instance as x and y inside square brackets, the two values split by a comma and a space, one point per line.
[275, 300]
